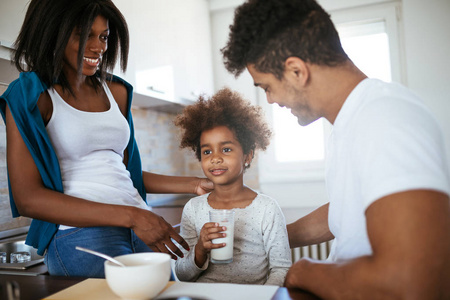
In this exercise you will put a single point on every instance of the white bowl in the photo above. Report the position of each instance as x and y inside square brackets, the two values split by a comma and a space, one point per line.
[145, 275]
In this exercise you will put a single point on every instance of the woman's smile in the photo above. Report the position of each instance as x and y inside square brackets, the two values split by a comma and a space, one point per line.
[93, 62]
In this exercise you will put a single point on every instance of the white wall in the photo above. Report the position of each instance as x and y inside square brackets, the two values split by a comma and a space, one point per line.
[427, 67]
[427, 49]
[12, 13]
[220, 20]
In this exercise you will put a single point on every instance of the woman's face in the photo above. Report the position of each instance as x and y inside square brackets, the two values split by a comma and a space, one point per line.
[96, 45]
[222, 157]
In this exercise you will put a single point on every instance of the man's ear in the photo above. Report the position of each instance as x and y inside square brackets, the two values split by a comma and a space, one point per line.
[296, 69]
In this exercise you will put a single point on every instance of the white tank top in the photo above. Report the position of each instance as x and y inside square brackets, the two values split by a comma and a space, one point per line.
[90, 147]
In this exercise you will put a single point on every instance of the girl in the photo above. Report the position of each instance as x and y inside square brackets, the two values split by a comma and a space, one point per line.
[224, 133]
[73, 162]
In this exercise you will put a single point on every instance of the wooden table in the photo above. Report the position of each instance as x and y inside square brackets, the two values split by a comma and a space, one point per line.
[41, 286]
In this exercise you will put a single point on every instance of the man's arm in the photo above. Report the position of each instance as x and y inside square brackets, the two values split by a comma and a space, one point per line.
[311, 229]
[409, 233]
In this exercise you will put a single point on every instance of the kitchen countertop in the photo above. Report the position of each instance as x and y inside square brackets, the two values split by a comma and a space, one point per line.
[170, 201]
[39, 269]
[33, 270]
[39, 287]
[36, 287]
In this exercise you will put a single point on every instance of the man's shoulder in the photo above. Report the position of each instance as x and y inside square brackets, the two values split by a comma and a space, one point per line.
[390, 105]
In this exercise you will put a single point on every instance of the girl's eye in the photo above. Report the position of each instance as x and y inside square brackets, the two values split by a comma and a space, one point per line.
[206, 152]
[226, 150]
[104, 37]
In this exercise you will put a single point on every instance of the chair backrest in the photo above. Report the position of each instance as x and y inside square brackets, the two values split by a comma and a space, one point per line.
[317, 251]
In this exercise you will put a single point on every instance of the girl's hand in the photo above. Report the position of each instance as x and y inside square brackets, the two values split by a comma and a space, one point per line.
[209, 232]
[204, 186]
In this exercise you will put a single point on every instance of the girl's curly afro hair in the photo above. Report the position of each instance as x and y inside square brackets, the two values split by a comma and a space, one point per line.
[225, 108]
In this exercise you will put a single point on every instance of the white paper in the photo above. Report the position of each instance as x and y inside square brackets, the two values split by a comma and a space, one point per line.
[219, 291]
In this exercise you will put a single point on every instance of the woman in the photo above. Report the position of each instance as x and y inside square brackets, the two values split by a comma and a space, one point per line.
[73, 163]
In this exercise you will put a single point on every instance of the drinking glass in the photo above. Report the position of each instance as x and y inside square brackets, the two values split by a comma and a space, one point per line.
[20, 257]
[225, 217]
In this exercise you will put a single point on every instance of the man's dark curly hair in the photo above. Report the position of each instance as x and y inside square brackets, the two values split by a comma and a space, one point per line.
[225, 108]
[267, 32]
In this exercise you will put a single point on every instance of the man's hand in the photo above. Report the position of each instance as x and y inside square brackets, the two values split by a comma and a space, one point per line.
[293, 276]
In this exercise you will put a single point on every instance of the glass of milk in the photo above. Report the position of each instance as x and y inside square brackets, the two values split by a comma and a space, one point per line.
[225, 217]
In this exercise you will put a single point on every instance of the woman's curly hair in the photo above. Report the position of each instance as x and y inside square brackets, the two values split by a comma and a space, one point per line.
[225, 108]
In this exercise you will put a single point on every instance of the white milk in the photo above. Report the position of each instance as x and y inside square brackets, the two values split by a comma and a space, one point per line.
[225, 217]
[225, 254]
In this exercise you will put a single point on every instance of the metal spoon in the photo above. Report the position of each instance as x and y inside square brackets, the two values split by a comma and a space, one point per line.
[101, 255]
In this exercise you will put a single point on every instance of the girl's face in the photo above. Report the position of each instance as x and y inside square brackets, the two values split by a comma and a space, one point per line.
[222, 157]
[96, 45]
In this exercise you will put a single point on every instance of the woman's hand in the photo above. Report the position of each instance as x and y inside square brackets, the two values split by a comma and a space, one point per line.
[209, 232]
[157, 233]
[204, 186]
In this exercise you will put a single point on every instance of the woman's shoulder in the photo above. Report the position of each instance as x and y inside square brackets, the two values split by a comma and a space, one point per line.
[27, 82]
[25, 90]
[120, 89]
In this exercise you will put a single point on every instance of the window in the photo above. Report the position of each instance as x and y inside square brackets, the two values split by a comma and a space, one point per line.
[369, 36]
[367, 45]
[289, 149]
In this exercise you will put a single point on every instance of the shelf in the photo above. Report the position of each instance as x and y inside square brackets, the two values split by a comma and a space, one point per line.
[6, 49]
[171, 201]
[158, 103]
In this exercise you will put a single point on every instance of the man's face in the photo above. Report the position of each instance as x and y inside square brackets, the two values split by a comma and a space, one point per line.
[286, 93]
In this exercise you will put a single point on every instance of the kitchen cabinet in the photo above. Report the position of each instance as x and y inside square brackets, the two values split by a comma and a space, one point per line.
[170, 55]
[170, 58]
[12, 13]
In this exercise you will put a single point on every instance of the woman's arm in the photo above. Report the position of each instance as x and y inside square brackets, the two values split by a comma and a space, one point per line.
[34, 200]
[311, 229]
[162, 184]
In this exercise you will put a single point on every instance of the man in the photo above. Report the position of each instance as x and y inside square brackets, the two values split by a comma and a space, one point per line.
[386, 173]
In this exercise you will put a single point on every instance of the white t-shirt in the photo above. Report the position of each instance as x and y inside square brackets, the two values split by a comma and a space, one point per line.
[384, 141]
[261, 253]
